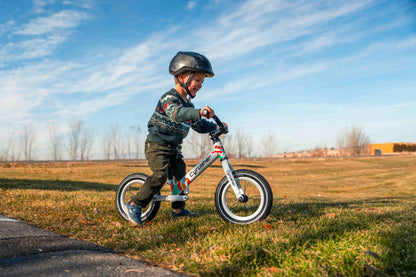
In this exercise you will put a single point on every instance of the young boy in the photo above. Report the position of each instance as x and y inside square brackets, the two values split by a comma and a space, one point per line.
[168, 126]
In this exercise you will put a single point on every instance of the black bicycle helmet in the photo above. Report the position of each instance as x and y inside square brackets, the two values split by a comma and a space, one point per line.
[190, 61]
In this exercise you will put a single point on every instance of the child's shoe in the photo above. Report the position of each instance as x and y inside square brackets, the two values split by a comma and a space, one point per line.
[134, 213]
[183, 213]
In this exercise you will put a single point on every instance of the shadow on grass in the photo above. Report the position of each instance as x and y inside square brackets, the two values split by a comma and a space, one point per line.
[322, 227]
[390, 221]
[54, 185]
[320, 207]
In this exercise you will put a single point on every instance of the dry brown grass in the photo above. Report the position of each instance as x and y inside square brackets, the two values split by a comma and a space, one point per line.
[347, 205]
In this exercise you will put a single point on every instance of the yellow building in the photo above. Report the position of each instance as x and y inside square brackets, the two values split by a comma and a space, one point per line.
[384, 148]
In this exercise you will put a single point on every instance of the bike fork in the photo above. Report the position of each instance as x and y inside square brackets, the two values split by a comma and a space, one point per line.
[235, 183]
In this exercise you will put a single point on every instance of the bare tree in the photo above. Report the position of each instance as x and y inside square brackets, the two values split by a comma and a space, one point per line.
[269, 144]
[113, 143]
[12, 153]
[199, 144]
[353, 141]
[249, 146]
[136, 141]
[242, 144]
[74, 137]
[129, 145]
[4, 154]
[107, 145]
[239, 143]
[116, 142]
[86, 142]
[27, 140]
[8, 154]
[229, 145]
[56, 142]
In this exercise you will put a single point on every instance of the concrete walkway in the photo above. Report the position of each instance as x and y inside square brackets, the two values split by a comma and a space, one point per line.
[26, 250]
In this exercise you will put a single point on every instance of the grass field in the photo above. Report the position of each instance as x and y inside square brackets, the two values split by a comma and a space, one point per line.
[331, 217]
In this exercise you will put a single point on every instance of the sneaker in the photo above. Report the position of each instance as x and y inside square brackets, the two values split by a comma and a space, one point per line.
[134, 213]
[183, 213]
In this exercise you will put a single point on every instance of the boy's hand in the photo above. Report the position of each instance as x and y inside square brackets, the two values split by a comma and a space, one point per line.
[210, 112]
[225, 125]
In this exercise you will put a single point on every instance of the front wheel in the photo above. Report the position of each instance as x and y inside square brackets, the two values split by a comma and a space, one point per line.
[128, 188]
[258, 192]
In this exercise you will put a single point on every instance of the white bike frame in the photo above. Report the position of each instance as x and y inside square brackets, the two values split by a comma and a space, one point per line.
[197, 170]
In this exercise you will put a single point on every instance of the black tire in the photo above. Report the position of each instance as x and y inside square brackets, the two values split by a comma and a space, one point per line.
[258, 191]
[128, 188]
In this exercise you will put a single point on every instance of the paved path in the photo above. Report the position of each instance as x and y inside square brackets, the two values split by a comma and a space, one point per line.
[26, 250]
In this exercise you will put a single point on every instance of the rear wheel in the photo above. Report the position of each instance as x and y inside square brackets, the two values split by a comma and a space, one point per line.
[128, 188]
[256, 206]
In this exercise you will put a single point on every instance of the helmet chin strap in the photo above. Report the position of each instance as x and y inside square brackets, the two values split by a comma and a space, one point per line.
[185, 86]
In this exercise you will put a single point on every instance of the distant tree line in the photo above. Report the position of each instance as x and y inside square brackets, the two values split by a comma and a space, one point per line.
[238, 145]
[77, 142]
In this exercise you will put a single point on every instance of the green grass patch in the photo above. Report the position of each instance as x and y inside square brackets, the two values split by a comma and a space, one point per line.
[331, 217]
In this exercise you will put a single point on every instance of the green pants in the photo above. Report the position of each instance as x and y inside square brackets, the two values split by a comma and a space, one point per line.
[161, 158]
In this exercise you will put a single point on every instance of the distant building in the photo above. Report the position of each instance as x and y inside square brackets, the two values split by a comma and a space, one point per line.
[384, 148]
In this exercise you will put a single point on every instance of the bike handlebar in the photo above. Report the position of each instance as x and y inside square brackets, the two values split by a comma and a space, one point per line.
[219, 123]
[217, 120]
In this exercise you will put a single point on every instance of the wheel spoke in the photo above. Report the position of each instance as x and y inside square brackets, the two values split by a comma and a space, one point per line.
[128, 188]
[256, 207]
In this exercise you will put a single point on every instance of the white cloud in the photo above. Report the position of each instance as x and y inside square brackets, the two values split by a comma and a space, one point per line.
[408, 43]
[24, 89]
[62, 20]
[140, 67]
[137, 68]
[248, 84]
[250, 27]
[39, 5]
[6, 27]
[30, 49]
[191, 5]
[294, 30]
[86, 4]
[102, 82]
[40, 37]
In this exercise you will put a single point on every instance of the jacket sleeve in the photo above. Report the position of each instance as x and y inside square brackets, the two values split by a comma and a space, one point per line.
[203, 126]
[172, 107]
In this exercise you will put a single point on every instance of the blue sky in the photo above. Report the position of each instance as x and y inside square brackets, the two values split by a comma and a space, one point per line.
[303, 70]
